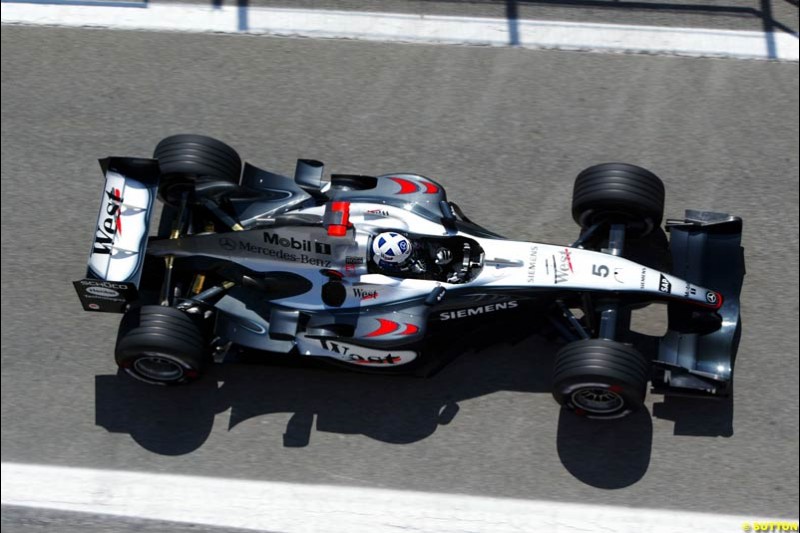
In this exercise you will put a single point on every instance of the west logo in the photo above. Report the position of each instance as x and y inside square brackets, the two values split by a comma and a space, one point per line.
[109, 226]
[343, 349]
[563, 268]
[365, 294]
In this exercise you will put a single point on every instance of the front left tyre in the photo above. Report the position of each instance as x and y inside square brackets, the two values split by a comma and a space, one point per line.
[161, 346]
[619, 193]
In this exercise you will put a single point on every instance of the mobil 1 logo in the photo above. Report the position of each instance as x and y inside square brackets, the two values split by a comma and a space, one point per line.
[304, 245]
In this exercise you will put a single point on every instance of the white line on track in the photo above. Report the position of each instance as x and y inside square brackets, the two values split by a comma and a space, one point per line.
[288, 507]
[395, 27]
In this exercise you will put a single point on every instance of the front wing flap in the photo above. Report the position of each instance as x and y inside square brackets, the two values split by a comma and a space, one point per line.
[697, 353]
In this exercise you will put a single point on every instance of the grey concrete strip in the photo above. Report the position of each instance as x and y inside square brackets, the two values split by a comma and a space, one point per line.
[406, 28]
[750, 15]
[506, 131]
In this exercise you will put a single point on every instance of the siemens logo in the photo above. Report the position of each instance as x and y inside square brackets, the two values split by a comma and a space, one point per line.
[474, 311]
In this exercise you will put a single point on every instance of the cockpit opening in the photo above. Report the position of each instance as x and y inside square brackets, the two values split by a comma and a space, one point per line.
[447, 259]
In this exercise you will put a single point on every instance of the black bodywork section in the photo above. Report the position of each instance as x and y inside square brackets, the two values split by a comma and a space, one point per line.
[706, 250]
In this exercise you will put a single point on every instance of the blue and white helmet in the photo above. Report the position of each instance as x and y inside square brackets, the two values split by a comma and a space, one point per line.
[391, 249]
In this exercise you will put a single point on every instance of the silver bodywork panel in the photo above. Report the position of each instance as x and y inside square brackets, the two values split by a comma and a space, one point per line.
[335, 301]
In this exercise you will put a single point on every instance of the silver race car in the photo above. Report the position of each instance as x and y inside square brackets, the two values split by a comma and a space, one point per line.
[370, 271]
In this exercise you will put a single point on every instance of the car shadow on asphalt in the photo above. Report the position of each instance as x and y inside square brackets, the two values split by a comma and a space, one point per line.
[178, 420]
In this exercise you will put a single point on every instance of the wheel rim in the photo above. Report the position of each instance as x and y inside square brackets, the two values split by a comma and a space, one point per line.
[171, 192]
[158, 368]
[637, 225]
[597, 400]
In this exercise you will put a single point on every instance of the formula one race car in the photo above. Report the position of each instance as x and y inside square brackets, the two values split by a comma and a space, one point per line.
[366, 270]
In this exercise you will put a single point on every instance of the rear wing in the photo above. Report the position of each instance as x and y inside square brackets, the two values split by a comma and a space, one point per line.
[117, 253]
[698, 352]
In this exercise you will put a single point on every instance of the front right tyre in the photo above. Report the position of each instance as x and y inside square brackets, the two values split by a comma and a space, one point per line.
[599, 378]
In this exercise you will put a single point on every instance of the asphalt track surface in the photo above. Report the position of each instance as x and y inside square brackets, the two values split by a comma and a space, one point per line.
[506, 130]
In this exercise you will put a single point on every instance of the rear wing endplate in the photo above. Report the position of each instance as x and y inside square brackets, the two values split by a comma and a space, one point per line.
[120, 239]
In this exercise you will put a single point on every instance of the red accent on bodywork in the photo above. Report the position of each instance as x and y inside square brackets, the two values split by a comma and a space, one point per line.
[430, 188]
[119, 213]
[406, 186]
[386, 327]
[344, 209]
[389, 358]
[715, 306]
[340, 229]
[410, 329]
[569, 259]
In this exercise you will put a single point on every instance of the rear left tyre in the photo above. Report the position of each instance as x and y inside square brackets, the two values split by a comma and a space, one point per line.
[599, 378]
[161, 346]
[190, 161]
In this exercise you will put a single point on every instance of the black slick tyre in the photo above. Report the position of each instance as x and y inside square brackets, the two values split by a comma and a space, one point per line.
[619, 193]
[161, 346]
[599, 378]
[186, 160]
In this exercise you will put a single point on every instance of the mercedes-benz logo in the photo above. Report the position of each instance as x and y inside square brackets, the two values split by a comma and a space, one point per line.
[227, 243]
[711, 297]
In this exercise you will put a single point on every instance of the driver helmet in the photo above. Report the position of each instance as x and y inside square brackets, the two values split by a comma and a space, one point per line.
[391, 249]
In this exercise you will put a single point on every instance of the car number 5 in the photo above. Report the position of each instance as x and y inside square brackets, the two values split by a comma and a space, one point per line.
[600, 270]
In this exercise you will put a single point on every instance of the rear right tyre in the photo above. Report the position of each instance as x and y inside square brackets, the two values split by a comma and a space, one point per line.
[161, 346]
